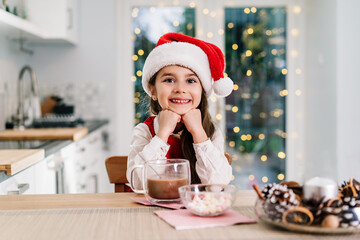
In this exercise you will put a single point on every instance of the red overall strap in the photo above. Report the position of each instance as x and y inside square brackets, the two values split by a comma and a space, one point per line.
[175, 147]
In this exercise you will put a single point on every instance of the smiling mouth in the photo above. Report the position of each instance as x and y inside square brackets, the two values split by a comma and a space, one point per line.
[180, 101]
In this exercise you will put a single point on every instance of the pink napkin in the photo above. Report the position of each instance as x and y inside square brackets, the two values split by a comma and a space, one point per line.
[144, 201]
[184, 219]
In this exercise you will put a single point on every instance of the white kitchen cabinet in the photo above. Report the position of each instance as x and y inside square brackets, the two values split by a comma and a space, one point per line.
[45, 175]
[21, 183]
[58, 18]
[47, 21]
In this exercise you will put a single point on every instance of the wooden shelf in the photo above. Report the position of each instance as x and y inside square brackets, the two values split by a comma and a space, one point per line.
[16, 28]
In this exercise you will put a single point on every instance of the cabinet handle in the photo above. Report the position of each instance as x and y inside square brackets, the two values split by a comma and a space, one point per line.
[70, 18]
[23, 187]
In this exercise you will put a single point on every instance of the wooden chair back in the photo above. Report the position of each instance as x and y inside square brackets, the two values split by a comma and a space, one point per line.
[116, 168]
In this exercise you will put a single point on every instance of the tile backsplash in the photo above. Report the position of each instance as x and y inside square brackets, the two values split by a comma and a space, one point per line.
[88, 98]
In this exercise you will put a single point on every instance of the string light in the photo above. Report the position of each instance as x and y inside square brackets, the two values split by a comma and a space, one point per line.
[205, 11]
[248, 53]
[261, 136]
[141, 52]
[234, 46]
[234, 109]
[236, 129]
[281, 155]
[265, 179]
[251, 177]
[232, 143]
[133, 78]
[218, 116]
[281, 176]
[235, 87]
[192, 5]
[263, 158]
[247, 10]
[135, 58]
[139, 73]
[137, 31]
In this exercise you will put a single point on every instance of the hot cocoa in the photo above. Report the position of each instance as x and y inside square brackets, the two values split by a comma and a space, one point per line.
[166, 187]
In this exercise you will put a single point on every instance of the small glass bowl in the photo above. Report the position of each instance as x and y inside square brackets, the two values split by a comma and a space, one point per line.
[207, 200]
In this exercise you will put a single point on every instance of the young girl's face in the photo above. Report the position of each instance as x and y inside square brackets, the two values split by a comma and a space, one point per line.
[177, 89]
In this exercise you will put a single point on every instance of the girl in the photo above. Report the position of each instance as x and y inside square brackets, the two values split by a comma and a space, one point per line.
[179, 74]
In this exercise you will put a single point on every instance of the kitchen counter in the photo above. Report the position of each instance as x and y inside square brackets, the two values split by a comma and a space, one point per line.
[49, 146]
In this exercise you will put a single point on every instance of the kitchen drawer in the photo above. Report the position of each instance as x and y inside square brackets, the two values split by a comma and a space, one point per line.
[21, 183]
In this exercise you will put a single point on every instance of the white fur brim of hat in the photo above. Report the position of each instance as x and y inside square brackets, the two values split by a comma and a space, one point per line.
[182, 54]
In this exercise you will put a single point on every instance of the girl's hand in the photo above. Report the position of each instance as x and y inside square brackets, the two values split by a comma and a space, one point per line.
[193, 123]
[167, 123]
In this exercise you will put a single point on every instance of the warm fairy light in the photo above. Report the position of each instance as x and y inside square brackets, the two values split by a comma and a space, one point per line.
[263, 158]
[225, 74]
[284, 93]
[268, 32]
[139, 73]
[232, 178]
[192, 4]
[234, 109]
[221, 31]
[298, 92]
[281, 176]
[274, 52]
[134, 14]
[261, 136]
[230, 25]
[250, 31]
[247, 10]
[189, 26]
[246, 95]
[294, 53]
[265, 179]
[297, 9]
[248, 137]
[205, 11]
[135, 57]
[236, 129]
[241, 148]
[210, 34]
[136, 100]
[133, 78]
[138, 115]
[251, 177]
[213, 98]
[235, 87]
[235, 46]
[284, 71]
[137, 121]
[298, 71]
[295, 32]
[281, 155]
[248, 73]
[137, 31]
[218, 116]
[283, 135]
[137, 94]
[243, 137]
[176, 23]
[248, 53]
[213, 14]
[246, 116]
[141, 52]
[232, 143]
[253, 9]
[262, 115]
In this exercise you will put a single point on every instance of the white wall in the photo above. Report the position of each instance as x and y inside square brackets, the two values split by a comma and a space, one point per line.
[320, 89]
[348, 87]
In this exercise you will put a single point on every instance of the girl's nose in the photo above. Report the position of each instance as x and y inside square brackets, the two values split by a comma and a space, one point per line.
[180, 88]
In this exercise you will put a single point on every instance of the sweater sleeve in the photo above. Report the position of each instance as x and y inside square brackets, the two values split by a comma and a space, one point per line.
[144, 147]
[212, 166]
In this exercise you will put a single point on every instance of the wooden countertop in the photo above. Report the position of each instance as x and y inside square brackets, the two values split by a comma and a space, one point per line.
[14, 160]
[91, 200]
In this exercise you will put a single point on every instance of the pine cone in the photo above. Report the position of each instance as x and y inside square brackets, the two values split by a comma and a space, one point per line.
[278, 199]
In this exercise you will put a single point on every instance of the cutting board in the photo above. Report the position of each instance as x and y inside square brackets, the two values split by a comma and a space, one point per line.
[43, 134]
[15, 160]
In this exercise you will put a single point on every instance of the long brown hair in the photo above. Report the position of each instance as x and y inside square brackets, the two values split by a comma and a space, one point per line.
[186, 138]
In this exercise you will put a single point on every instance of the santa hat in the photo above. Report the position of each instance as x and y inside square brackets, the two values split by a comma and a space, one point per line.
[203, 58]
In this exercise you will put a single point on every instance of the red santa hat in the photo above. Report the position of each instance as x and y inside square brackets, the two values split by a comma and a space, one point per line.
[205, 59]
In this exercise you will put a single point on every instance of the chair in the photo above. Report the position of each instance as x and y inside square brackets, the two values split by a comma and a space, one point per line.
[116, 169]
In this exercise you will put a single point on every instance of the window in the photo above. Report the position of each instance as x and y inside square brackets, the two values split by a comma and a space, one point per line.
[261, 45]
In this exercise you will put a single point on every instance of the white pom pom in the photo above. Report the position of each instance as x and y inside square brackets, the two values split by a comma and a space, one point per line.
[223, 87]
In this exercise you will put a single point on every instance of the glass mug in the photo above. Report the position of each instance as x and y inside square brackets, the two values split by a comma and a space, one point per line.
[161, 179]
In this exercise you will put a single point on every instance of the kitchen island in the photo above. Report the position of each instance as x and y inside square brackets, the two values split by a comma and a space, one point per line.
[116, 216]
